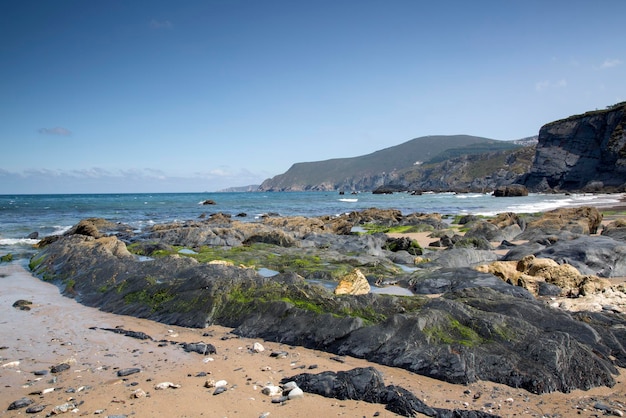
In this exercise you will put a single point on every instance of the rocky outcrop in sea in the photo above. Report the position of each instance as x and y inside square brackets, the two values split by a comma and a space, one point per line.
[459, 325]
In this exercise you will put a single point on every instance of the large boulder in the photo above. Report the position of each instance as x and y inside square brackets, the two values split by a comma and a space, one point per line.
[616, 229]
[510, 191]
[353, 283]
[578, 220]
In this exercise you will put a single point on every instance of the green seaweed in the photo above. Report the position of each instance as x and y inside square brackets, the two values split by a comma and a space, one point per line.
[453, 333]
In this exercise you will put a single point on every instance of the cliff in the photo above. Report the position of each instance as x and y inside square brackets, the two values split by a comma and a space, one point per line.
[581, 153]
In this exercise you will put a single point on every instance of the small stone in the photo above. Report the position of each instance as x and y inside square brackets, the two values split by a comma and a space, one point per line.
[617, 413]
[296, 393]
[63, 408]
[59, 368]
[221, 383]
[271, 390]
[280, 399]
[258, 348]
[220, 389]
[210, 383]
[128, 372]
[20, 403]
[139, 393]
[40, 372]
[289, 386]
[35, 409]
[166, 385]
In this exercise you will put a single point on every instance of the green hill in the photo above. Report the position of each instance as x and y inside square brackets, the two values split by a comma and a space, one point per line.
[370, 171]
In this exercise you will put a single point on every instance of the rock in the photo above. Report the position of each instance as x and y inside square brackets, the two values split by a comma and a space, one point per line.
[63, 408]
[128, 371]
[616, 229]
[258, 347]
[59, 368]
[219, 389]
[35, 409]
[367, 384]
[295, 393]
[209, 202]
[166, 385]
[271, 390]
[580, 220]
[200, 348]
[510, 191]
[403, 244]
[20, 403]
[353, 283]
[581, 150]
[138, 393]
[23, 305]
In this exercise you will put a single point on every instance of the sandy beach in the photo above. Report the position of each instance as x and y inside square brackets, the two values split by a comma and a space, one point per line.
[59, 330]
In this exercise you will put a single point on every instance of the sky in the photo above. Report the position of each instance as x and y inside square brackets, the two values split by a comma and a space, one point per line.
[191, 96]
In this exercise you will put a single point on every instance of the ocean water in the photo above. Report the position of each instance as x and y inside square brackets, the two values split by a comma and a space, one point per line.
[21, 215]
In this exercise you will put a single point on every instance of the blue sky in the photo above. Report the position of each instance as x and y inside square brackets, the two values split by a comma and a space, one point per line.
[163, 96]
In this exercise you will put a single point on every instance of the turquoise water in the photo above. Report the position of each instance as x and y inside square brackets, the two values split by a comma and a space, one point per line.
[21, 215]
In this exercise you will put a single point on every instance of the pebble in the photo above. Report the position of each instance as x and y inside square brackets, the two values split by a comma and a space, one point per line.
[139, 393]
[128, 372]
[296, 393]
[20, 403]
[63, 408]
[11, 364]
[59, 368]
[258, 348]
[35, 409]
[271, 390]
[219, 389]
[166, 385]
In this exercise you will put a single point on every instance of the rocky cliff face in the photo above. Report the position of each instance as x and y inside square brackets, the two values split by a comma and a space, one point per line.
[581, 153]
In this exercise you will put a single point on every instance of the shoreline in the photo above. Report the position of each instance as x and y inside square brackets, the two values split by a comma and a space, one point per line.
[58, 329]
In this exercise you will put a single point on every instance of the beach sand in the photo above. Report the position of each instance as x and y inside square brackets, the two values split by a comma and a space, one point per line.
[58, 329]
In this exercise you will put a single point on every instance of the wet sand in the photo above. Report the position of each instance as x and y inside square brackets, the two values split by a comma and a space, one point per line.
[58, 329]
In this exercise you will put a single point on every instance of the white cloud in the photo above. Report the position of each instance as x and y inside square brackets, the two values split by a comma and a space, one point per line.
[55, 131]
[546, 84]
[610, 63]
[158, 24]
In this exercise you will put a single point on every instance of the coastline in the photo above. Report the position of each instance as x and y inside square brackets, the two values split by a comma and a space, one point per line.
[58, 329]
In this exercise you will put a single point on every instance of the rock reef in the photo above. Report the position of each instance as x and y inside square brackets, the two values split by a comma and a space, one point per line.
[460, 325]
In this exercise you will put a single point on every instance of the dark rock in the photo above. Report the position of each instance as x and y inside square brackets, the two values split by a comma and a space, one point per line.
[581, 151]
[20, 403]
[598, 255]
[472, 332]
[128, 371]
[615, 230]
[366, 384]
[219, 390]
[403, 244]
[200, 348]
[511, 191]
[33, 235]
[548, 289]
[209, 202]
[35, 409]
[59, 368]
[454, 279]
[133, 334]
[40, 372]
[23, 305]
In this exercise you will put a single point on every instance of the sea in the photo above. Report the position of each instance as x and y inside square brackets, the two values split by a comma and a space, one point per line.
[48, 214]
